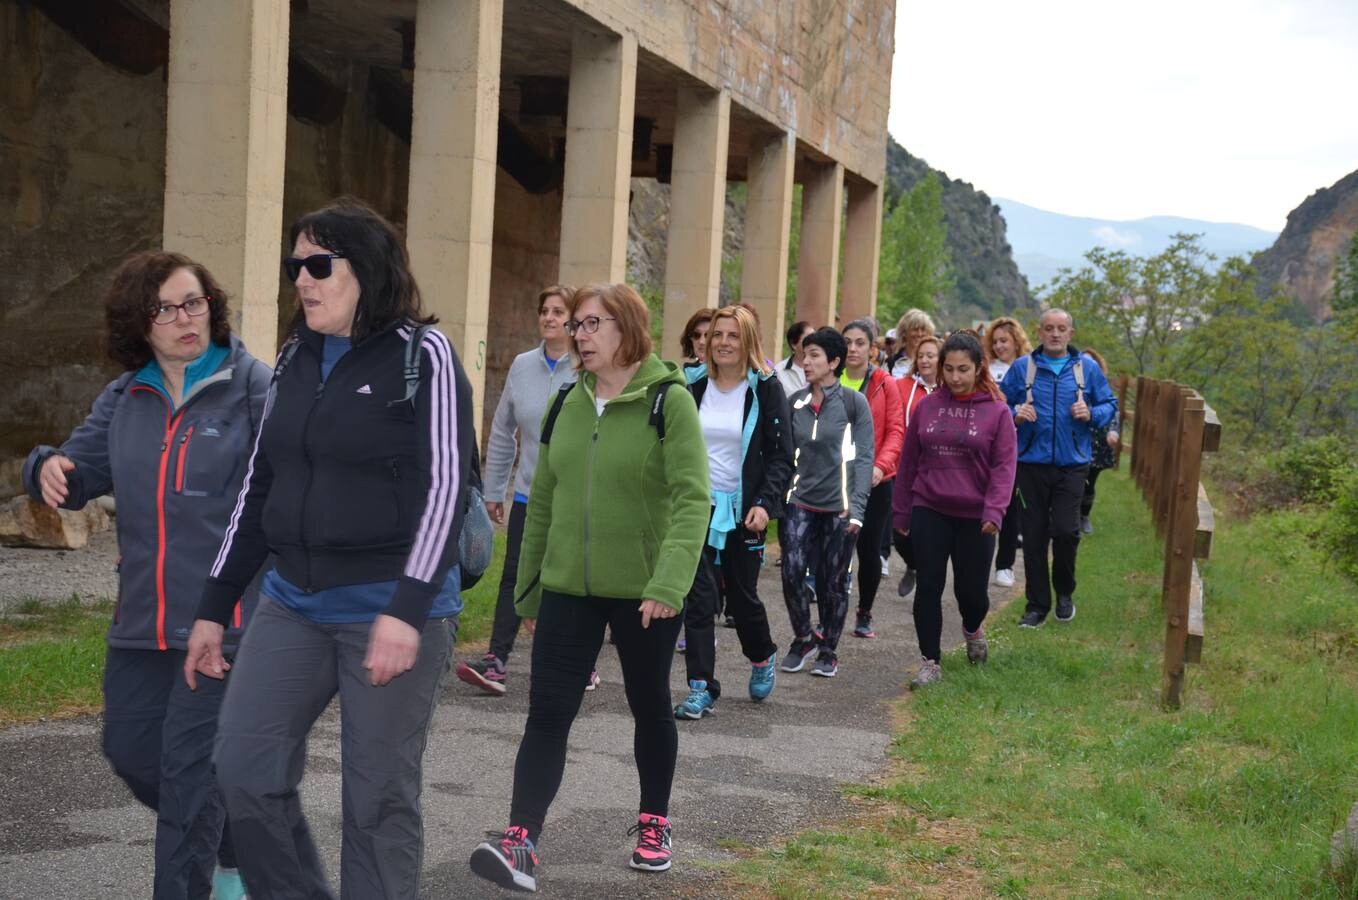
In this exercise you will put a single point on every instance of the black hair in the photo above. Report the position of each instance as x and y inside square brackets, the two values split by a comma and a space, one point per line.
[831, 342]
[965, 342]
[794, 332]
[864, 325]
[376, 253]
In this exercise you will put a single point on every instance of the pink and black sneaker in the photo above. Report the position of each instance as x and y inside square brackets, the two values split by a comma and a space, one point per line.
[509, 859]
[487, 673]
[654, 851]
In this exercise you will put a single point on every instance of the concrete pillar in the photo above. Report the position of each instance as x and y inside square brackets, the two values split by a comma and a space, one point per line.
[600, 102]
[818, 255]
[452, 169]
[862, 248]
[226, 129]
[768, 224]
[702, 126]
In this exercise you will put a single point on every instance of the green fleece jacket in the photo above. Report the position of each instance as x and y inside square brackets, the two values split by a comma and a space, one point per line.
[614, 512]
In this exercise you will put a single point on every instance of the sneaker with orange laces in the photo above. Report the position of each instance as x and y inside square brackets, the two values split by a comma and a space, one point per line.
[508, 859]
[654, 851]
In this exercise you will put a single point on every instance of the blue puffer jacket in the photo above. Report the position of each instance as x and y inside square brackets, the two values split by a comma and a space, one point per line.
[1057, 438]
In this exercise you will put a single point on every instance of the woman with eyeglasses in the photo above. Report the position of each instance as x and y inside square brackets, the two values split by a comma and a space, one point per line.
[170, 435]
[616, 521]
[357, 484]
[693, 343]
[534, 379]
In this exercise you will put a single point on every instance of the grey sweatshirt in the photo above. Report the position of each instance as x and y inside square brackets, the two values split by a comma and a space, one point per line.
[832, 452]
[529, 388]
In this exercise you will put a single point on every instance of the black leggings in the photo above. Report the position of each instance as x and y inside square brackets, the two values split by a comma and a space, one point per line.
[566, 644]
[937, 539]
[506, 627]
[737, 579]
[1087, 501]
[876, 521]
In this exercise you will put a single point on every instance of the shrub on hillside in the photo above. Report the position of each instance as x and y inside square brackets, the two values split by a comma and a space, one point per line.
[1313, 470]
[1340, 525]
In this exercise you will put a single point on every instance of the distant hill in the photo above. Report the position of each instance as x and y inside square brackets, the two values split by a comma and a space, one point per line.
[1045, 242]
[989, 282]
[1317, 234]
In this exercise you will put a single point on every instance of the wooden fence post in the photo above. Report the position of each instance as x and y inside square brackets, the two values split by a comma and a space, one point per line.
[1121, 420]
[1171, 407]
[1180, 536]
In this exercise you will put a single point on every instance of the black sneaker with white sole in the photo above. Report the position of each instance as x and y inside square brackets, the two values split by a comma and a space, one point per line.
[509, 859]
[1032, 619]
[1065, 607]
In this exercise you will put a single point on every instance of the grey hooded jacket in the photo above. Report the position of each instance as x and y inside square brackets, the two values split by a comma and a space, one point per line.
[529, 388]
[832, 452]
[176, 474]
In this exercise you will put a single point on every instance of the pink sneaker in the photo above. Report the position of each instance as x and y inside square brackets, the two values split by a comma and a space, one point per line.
[654, 851]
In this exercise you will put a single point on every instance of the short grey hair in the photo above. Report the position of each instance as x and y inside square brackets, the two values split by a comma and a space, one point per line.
[1056, 311]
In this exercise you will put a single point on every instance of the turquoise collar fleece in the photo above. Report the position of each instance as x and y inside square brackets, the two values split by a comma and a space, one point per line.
[202, 367]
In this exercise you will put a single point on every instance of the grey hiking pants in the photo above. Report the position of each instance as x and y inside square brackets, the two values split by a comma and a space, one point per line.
[285, 675]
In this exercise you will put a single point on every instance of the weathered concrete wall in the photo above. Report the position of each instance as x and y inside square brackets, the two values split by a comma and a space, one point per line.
[82, 182]
[820, 68]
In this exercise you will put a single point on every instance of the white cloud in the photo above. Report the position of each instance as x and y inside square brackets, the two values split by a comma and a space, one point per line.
[1227, 110]
[1111, 237]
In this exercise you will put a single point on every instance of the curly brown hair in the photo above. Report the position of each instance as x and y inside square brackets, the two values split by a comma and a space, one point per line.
[131, 302]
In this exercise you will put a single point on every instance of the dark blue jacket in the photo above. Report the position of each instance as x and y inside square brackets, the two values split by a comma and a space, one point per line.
[1057, 438]
[176, 474]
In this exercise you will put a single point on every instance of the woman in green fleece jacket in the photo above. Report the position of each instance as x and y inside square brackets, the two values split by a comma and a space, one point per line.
[616, 520]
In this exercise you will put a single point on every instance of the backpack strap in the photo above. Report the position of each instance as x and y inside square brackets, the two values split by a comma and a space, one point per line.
[552, 413]
[410, 370]
[1029, 375]
[657, 419]
[1078, 369]
[285, 355]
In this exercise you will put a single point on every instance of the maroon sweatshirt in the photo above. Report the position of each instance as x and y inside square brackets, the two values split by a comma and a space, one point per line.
[959, 459]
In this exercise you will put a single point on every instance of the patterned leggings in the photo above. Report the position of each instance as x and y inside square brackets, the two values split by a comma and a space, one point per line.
[816, 542]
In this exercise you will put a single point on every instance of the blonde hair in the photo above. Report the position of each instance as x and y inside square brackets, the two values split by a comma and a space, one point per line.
[1022, 346]
[747, 328]
[633, 318]
[913, 318]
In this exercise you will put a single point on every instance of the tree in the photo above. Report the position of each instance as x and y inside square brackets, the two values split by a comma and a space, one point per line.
[1344, 300]
[915, 268]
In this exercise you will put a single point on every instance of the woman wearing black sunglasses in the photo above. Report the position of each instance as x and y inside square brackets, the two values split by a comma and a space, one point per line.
[359, 491]
[170, 435]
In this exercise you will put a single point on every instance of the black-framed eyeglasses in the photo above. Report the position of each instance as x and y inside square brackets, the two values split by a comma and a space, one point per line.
[318, 265]
[168, 313]
[589, 324]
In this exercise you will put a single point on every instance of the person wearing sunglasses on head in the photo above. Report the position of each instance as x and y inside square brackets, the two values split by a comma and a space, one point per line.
[170, 435]
[358, 484]
[616, 520]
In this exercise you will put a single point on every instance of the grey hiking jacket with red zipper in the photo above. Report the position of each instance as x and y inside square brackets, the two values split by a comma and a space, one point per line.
[176, 474]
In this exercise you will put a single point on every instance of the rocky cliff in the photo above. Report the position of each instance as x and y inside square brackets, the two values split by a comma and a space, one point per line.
[1317, 235]
[988, 280]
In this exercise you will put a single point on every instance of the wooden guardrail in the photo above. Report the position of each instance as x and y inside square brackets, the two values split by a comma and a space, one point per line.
[1172, 428]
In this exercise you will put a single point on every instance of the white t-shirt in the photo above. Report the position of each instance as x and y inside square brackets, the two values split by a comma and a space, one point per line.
[599, 405]
[902, 368]
[998, 368]
[722, 415]
[793, 378]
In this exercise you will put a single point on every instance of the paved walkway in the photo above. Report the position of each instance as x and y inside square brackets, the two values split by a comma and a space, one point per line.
[748, 775]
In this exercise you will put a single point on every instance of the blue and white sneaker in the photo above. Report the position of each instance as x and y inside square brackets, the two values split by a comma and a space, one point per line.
[761, 679]
[698, 704]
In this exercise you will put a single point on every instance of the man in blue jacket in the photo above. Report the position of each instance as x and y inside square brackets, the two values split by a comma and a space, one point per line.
[1059, 398]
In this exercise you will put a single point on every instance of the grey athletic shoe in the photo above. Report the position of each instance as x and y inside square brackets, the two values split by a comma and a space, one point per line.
[798, 654]
[929, 672]
[1086, 526]
[1032, 619]
[826, 667]
[977, 647]
[907, 583]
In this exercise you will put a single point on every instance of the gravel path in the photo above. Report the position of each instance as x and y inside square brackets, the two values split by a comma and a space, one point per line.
[57, 574]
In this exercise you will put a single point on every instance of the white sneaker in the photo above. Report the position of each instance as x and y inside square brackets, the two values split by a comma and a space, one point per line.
[1005, 577]
[886, 567]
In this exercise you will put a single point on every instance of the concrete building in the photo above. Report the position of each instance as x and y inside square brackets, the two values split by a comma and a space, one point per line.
[502, 134]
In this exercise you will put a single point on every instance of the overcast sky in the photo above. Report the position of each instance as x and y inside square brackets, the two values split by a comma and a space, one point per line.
[1224, 110]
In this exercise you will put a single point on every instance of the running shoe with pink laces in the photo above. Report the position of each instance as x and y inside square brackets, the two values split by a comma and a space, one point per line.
[508, 859]
[487, 673]
[592, 681]
[654, 851]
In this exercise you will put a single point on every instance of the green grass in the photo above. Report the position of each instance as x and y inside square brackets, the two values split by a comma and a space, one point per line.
[51, 659]
[1053, 771]
[478, 604]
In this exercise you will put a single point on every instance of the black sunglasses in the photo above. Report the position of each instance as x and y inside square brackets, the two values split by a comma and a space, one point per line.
[317, 265]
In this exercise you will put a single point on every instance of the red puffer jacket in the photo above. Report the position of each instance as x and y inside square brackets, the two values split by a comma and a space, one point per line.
[888, 420]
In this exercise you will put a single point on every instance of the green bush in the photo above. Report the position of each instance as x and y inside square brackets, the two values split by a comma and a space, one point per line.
[1340, 526]
[1314, 469]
